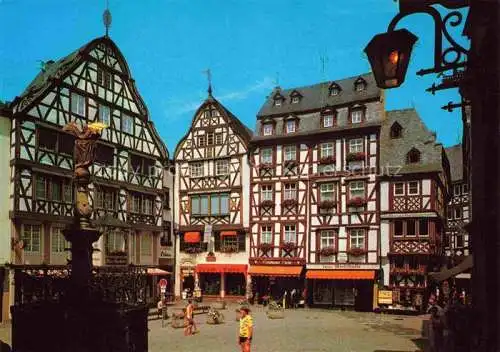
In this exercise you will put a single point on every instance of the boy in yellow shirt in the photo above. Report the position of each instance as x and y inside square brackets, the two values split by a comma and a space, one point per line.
[246, 330]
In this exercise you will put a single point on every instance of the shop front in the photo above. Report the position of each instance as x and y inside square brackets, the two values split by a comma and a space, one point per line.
[222, 280]
[341, 288]
[273, 281]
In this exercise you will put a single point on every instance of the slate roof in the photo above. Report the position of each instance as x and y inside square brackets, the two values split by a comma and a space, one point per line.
[317, 96]
[393, 151]
[455, 156]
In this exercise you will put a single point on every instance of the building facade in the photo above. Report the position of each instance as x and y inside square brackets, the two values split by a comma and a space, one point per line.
[212, 222]
[314, 199]
[128, 193]
[414, 192]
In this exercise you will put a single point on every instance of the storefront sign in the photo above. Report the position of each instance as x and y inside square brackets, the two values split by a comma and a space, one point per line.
[343, 266]
[385, 297]
[166, 252]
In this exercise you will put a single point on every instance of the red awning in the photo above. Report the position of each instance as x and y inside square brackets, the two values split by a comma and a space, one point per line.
[275, 270]
[192, 237]
[221, 268]
[340, 274]
[228, 233]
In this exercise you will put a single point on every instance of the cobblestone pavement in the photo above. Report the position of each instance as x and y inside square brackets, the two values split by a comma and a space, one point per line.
[301, 330]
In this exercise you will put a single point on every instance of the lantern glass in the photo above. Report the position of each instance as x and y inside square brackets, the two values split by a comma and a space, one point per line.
[389, 56]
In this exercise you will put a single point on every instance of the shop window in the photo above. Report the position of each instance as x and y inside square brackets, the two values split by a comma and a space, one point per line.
[58, 243]
[31, 237]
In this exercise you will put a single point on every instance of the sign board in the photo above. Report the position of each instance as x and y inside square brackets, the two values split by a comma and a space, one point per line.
[385, 297]
[163, 283]
[343, 266]
[207, 233]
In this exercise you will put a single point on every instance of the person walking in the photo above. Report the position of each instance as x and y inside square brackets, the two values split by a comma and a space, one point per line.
[246, 330]
[191, 325]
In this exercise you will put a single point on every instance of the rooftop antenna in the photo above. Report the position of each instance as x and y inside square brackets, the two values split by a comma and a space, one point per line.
[324, 61]
[208, 72]
[277, 79]
[106, 18]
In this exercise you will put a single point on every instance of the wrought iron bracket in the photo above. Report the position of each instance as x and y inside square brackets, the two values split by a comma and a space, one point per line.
[452, 56]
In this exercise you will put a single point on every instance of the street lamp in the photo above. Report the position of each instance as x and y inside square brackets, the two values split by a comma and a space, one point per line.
[389, 55]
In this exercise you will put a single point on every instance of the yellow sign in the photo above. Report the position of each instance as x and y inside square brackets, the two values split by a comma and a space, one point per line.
[384, 297]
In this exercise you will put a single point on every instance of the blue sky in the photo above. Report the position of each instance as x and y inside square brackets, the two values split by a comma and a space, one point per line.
[246, 43]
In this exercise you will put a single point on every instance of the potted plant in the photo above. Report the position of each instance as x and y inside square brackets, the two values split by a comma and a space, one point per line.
[356, 202]
[327, 204]
[327, 160]
[289, 202]
[229, 249]
[267, 203]
[290, 163]
[193, 250]
[214, 317]
[327, 251]
[265, 247]
[355, 156]
[265, 166]
[275, 311]
[357, 251]
[210, 257]
[178, 321]
[289, 246]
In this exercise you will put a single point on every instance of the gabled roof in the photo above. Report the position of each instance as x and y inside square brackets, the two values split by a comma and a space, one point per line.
[455, 157]
[235, 123]
[317, 96]
[394, 151]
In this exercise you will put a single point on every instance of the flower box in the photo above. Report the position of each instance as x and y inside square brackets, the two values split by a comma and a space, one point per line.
[289, 246]
[355, 156]
[266, 247]
[265, 166]
[357, 252]
[327, 204]
[327, 160]
[327, 251]
[290, 163]
[229, 249]
[267, 203]
[193, 250]
[289, 203]
[356, 202]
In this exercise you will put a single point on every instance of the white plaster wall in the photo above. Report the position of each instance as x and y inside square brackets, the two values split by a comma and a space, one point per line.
[4, 185]
[245, 179]
[384, 196]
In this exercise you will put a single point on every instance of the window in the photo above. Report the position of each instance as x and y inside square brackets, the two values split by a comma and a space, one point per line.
[423, 227]
[127, 124]
[413, 187]
[360, 85]
[57, 241]
[221, 167]
[213, 113]
[398, 228]
[326, 150]
[196, 169]
[266, 156]
[47, 139]
[31, 237]
[210, 138]
[266, 234]
[78, 104]
[146, 245]
[410, 228]
[328, 120]
[105, 115]
[277, 102]
[460, 241]
[356, 189]
[334, 91]
[115, 242]
[327, 238]
[357, 239]
[413, 156]
[104, 155]
[106, 199]
[201, 141]
[458, 212]
[66, 143]
[290, 191]
[357, 115]
[148, 205]
[290, 234]
[41, 187]
[356, 145]
[67, 192]
[465, 188]
[396, 130]
[108, 80]
[218, 138]
[399, 189]
[290, 152]
[290, 126]
[206, 113]
[295, 100]
[449, 213]
[457, 190]
[266, 192]
[55, 190]
[327, 191]
[135, 205]
[214, 204]
[230, 242]
[267, 129]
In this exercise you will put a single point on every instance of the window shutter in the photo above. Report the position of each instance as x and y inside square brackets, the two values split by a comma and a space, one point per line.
[217, 241]
[242, 241]
[182, 245]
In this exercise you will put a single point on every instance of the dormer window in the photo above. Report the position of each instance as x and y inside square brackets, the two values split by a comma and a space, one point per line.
[277, 102]
[359, 84]
[291, 126]
[413, 156]
[334, 89]
[278, 99]
[295, 97]
[396, 130]
[295, 100]
[267, 129]
[357, 115]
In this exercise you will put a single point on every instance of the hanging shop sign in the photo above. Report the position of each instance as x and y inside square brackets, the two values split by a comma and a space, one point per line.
[385, 297]
[207, 233]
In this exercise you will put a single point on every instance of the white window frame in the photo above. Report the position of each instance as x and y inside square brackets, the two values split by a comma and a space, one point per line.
[334, 91]
[290, 191]
[326, 150]
[266, 192]
[328, 120]
[32, 238]
[127, 124]
[222, 167]
[356, 187]
[78, 104]
[290, 234]
[277, 102]
[399, 184]
[196, 169]
[290, 152]
[357, 239]
[266, 156]
[356, 145]
[266, 234]
[267, 129]
[327, 191]
[291, 126]
[327, 239]
[105, 114]
[58, 243]
[409, 188]
[356, 115]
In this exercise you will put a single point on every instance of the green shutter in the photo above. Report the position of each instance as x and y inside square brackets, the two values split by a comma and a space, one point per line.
[242, 241]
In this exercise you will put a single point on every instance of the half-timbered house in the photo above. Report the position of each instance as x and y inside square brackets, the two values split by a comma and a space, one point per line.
[413, 195]
[127, 192]
[211, 182]
[314, 198]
